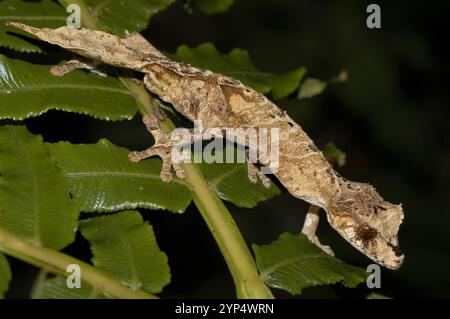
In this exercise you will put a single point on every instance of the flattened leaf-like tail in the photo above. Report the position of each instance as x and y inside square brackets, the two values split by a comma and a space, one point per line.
[131, 52]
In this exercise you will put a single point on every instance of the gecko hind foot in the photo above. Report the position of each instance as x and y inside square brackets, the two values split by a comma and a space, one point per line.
[163, 148]
[72, 65]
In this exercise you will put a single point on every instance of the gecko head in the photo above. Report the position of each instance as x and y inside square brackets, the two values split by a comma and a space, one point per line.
[369, 223]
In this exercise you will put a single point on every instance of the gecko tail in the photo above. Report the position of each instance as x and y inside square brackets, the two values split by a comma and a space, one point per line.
[131, 52]
[23, 27]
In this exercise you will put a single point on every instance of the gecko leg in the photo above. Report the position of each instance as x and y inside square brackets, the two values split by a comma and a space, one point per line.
[163, 147]
[310, 227]
[72, 65]
[254, 173]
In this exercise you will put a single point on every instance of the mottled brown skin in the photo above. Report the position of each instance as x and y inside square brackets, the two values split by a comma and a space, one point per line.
[353, 209]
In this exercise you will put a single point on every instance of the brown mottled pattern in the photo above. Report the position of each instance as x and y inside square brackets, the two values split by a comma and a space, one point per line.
[355, 210]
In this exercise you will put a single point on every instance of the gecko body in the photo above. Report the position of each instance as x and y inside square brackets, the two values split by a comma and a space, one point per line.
[355, 210]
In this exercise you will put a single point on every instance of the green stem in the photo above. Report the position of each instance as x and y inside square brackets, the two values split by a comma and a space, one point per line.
[219, 220]
[228, 237]
[56, 262]
[39, 284]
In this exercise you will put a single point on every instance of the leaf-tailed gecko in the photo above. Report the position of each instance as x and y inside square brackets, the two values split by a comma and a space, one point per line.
[355, 210]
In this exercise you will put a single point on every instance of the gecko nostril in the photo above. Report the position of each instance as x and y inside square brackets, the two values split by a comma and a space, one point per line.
[396, 249]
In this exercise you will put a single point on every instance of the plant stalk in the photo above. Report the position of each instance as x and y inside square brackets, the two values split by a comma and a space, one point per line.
[56, 262]
[219, 220]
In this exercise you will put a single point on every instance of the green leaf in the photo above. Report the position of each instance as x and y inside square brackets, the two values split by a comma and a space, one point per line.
[103, 179]
[44, 13]
[237, 64]
[312, 87]
[285, 84]
[34, 191]
[230, 181]
[125, 247]
[28, 90]
[334, 154]
[212, 6]
[5, 275]
[292, 263]
[56, 288]
[126, 15]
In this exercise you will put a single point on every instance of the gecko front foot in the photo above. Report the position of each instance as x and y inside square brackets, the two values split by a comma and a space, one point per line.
[310, 227]
[165, 154]
[163, 148]
[254, 173]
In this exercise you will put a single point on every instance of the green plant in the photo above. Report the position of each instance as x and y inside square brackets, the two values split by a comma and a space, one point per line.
[44, 186]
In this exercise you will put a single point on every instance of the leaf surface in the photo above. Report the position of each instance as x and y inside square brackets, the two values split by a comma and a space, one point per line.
[311, 87]
[334, 155]
[40, 14]
[125, 247]
[28, 90]
[103, 179]
[5, 275]
[212, 6]
[34, 198]
[126, 15]
[56, 288]
[293, 263]
[230, 181]
[238, 64]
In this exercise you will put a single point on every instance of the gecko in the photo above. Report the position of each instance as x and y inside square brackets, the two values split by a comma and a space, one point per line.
[355, 210]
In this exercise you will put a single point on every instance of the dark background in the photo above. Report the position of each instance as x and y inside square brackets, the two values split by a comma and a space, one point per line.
[391, 118]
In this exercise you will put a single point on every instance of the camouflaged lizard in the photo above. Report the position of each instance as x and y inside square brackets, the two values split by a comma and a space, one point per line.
[354, 210]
